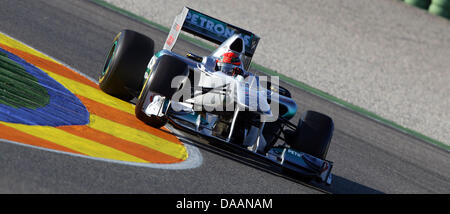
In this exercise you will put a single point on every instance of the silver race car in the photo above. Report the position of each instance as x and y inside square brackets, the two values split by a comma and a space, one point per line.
[215, 96]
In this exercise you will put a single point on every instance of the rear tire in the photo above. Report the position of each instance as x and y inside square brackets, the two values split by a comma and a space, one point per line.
[125, 64]
[159, 82]
[281, 90]
[313, 134]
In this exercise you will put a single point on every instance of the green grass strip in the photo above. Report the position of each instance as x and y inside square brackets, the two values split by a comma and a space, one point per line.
[348, 105]
[18, 88]
[296, 83]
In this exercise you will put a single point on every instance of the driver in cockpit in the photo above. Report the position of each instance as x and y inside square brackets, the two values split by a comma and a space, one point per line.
[230, 64]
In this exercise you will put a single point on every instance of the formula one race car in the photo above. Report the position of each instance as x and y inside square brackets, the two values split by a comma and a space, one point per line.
[215, 96]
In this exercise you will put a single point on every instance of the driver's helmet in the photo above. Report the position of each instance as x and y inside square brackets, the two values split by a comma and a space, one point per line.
[229, 63]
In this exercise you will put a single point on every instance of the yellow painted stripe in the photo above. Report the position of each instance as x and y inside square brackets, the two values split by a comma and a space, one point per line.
[72, 85]
[139, 137]
[92, 93]
[18, 45]
[86, 146]
[82, 145]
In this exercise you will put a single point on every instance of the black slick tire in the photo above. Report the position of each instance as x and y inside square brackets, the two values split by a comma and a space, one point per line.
[313, 134]
[125, 65]
[159, 82]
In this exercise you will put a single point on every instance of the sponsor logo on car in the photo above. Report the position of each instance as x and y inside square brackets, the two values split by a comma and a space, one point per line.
[212, 27]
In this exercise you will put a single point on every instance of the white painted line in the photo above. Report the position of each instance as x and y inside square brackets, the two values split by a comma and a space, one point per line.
[194, 159]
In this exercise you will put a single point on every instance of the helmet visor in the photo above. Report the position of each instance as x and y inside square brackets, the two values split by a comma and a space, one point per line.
[227, 68]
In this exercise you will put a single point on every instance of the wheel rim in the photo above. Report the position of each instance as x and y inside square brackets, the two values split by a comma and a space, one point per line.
[146, 83]
[109, 60]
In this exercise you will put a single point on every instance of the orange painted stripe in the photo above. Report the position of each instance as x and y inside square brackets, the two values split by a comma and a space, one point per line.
[124, 118]
[128, 147]
[49, 65]
[12, 134]
[66, 72]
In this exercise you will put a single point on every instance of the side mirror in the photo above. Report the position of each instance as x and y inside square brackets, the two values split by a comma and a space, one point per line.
[194, 57]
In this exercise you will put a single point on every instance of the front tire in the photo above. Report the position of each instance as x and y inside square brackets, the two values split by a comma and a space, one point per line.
[125, 65]
[159, 82]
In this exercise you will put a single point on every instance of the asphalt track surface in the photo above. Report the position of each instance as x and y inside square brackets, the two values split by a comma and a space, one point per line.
[369, 157]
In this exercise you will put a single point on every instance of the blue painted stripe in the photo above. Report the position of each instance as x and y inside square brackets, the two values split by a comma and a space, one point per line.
[64, 108]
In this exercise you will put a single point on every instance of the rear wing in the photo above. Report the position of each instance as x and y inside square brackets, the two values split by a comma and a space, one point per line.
[211, 29]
